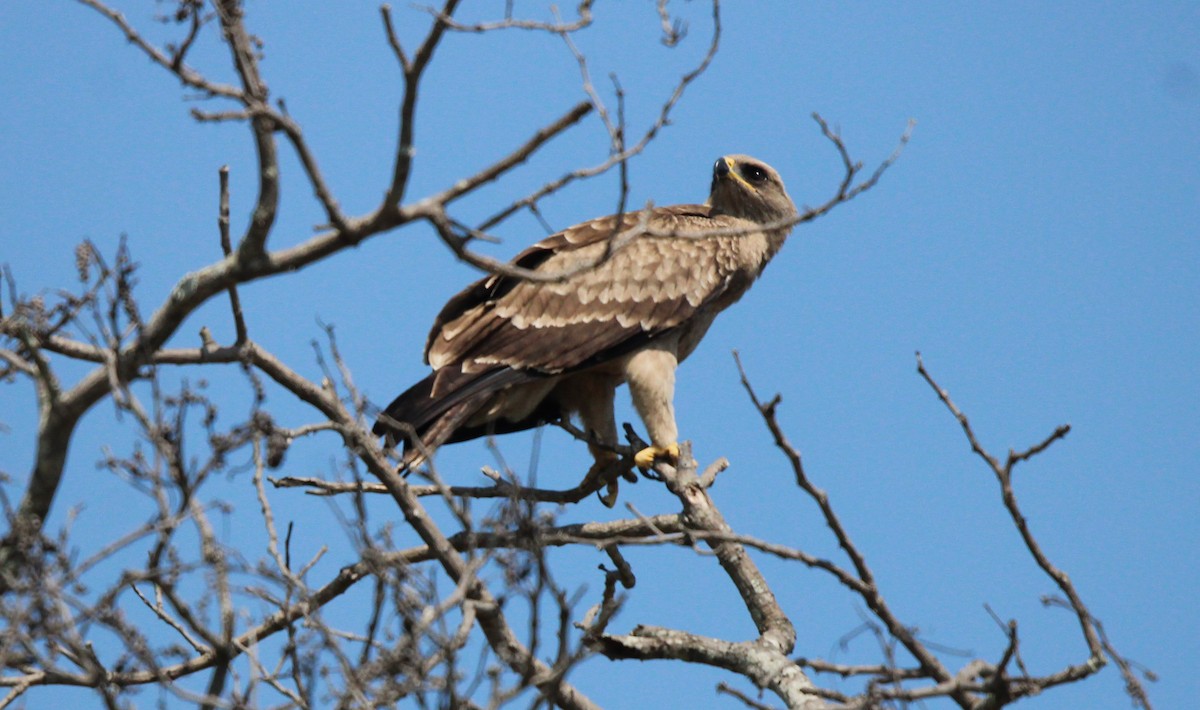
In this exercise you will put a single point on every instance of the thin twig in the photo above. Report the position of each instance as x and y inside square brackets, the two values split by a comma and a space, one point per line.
[235, 302]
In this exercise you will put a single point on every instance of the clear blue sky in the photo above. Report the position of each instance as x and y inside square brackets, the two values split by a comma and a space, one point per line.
[1039, 243]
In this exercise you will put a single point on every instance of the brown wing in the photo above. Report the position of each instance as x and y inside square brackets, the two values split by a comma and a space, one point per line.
[649, 286]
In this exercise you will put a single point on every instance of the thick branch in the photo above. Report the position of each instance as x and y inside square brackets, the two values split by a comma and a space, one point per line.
[765, 660]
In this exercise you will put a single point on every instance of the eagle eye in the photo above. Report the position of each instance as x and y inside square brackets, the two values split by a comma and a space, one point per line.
[754, 173]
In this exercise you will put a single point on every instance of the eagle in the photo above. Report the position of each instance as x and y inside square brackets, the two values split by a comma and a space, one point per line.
[626, 298]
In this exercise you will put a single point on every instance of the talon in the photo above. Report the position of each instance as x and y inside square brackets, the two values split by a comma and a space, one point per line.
[647, 456]
[605, 467]
[609, 496]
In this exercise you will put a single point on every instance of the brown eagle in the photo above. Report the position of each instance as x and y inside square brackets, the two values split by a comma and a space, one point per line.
[509, 354]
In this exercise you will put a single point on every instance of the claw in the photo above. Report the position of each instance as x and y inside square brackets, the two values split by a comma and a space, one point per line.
[604, 467]
[609, 496]
[647, 456]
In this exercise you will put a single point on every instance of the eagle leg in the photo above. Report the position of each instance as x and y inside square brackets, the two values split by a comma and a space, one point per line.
[592, 396]
[651, 376]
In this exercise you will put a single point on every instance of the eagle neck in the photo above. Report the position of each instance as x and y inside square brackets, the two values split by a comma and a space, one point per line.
[775, 240]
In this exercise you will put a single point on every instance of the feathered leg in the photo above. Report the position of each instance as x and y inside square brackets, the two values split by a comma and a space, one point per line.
[593, 397]
[651, 376]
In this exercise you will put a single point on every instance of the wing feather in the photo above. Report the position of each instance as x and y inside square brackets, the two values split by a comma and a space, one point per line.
[648, 286]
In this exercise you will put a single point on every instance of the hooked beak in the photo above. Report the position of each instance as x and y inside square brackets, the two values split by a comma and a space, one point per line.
[724, 169]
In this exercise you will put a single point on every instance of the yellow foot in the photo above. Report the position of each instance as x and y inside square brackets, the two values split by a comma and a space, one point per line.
[647, 456]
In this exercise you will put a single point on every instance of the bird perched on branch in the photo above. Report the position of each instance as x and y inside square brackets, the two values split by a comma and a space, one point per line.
[620, 303]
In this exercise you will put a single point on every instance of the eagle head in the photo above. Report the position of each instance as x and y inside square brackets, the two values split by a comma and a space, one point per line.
[748, 188]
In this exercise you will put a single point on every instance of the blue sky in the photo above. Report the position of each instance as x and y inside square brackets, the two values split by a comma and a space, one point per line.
[1039, 243]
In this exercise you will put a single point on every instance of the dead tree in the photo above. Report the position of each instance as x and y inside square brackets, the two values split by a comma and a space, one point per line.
[431, 603]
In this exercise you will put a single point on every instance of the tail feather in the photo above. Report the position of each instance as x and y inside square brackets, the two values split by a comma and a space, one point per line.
[411, 409]
[436, 420]
[440, 430]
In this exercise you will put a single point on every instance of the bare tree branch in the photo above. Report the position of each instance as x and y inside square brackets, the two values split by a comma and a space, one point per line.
[467, 604]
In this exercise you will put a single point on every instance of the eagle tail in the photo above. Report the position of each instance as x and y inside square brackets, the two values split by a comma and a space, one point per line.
[406, 410]
[440, 419]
